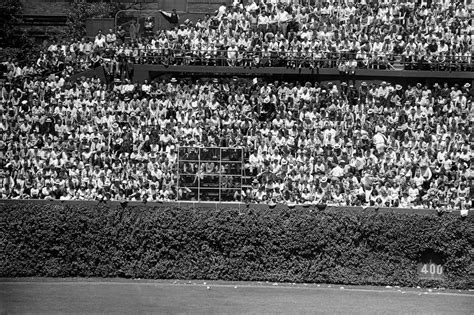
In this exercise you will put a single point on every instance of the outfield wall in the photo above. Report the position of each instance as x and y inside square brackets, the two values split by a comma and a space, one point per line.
[334, 245]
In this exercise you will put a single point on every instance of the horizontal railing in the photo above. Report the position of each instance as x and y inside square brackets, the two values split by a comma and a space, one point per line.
[289, 59]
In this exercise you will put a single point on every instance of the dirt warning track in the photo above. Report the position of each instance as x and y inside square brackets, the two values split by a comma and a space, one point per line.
[39, 295]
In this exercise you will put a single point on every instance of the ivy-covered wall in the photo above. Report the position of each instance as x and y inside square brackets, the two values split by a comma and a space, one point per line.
[295, 245]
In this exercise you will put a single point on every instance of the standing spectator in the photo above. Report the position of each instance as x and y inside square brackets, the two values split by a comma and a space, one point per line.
[172, 18]
[100, 40]
[121, 35]
[110, 38]
[134, 30]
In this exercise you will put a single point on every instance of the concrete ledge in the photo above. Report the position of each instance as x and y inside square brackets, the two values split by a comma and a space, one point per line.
[148, 71]
[216, 205]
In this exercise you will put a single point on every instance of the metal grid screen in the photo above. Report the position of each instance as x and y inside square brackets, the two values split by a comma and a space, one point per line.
[209, 174]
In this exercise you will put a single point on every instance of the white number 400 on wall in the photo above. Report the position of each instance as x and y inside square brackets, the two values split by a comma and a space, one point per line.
[432, 269]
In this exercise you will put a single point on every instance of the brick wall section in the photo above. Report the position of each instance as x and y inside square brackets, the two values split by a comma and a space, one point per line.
[45, 7]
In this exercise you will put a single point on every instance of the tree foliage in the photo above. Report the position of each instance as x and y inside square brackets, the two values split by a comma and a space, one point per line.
[81, 10]
[10, 16]
[294, 245]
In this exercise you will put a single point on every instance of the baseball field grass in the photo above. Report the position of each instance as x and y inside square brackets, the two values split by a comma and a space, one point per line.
[125, 296]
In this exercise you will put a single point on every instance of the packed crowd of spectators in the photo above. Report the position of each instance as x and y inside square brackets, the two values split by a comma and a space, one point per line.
[437, 35]
[347, 34]
[304, 143]
[374, 144]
